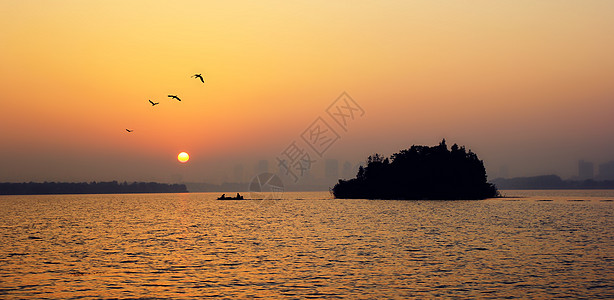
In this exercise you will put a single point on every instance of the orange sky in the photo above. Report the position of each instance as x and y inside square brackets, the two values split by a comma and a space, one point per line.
[525, 84]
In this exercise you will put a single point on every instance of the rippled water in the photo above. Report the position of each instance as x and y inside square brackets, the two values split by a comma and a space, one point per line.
[544, 244]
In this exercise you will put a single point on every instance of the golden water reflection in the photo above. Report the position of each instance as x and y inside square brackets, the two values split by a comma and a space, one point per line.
[191, 245]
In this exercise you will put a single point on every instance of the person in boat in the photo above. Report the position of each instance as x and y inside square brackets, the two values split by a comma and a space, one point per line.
[223, 197]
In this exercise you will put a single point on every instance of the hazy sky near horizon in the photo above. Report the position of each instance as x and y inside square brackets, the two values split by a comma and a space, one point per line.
[524, 84]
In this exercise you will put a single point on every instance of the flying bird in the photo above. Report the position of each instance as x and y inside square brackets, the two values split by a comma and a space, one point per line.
[153, 103]
[199, 76]
[129, 130]
[174, 97]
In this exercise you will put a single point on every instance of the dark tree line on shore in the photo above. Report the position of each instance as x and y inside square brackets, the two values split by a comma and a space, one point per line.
[420, 172]
[110, 187]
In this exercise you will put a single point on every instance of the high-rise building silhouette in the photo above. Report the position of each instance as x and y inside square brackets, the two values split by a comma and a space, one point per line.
[262, 166]
[239, 173]
[331, 169]
[606, 171]
[348, 172]
[586, 170]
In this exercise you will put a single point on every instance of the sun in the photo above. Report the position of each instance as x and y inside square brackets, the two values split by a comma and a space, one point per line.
[183, 157]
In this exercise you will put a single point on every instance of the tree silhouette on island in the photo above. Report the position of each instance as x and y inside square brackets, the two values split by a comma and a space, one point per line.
[420, 172]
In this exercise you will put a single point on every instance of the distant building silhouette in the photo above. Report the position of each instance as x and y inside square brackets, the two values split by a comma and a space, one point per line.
[331, 169]
[606, 171]
[239, 173]
[586, 170]
[348, 172]
[262, 167]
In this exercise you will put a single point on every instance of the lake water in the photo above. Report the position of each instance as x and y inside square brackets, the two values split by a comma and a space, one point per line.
[535, 244]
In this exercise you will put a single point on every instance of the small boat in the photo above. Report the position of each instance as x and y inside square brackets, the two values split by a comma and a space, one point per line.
[223, 197]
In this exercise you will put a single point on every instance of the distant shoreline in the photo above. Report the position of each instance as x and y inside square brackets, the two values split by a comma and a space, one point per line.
[70, 188]
[551, 182]
[547, 182]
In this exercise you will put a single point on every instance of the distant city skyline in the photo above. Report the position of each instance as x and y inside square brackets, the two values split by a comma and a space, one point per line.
[332, 169]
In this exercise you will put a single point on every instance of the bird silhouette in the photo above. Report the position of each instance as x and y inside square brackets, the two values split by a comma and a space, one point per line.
[129, 130]
[153, 103]
[174, 97]
[199, 76]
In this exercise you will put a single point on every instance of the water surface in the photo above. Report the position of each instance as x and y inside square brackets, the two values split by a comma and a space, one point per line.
[535, 244]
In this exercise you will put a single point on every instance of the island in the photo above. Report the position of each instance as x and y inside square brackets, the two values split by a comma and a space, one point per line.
[110, 187]
[420, 172]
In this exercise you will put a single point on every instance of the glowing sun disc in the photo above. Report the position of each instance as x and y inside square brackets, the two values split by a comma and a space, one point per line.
[183, 157]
